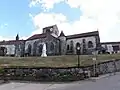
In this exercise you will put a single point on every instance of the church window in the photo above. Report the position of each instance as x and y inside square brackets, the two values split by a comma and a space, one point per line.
[51, 46]
[29, 49]
[34, 48]
[68, 47]
[46, 45]
[83, 40]
[71, 45]
[90, 44]
[40, 48]
[77, 44]
[5, 50]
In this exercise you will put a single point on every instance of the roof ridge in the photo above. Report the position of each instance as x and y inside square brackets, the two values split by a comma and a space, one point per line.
[35, 36]
[83, 33]
[87, 34]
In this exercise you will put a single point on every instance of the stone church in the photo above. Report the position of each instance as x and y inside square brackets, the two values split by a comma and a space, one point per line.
[56, 43]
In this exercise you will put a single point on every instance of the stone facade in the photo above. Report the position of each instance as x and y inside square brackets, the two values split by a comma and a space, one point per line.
[36, 46]
[56, 44]
[88, 42]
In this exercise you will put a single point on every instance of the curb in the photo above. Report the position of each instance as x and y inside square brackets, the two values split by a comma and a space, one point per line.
[102, 76]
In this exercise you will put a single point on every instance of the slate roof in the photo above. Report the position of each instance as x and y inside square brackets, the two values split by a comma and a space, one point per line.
[11, 42]
[37, 36]
[110, 43]
[88, 34]
[49, 27]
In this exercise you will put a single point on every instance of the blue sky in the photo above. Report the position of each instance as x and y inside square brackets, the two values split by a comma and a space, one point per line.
[71, 16]
[15, 13]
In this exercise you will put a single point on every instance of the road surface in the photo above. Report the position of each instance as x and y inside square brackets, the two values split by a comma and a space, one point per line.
[107, 83]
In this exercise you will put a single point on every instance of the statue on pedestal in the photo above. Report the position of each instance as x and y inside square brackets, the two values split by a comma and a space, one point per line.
[44, 51]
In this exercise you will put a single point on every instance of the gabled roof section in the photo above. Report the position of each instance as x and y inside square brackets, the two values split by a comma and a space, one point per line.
[88, 34]
[11, 42]
[49, 27]
[37, 36]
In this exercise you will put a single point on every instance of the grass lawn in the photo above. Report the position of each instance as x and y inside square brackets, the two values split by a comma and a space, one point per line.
[55, 61]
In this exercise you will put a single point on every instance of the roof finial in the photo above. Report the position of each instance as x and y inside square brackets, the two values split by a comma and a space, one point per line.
[62, 34]
[17, 37]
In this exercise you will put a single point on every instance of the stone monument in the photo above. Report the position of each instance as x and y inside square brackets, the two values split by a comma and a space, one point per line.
[44, 51]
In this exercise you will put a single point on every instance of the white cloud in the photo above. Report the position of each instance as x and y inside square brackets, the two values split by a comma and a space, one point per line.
[34, 3]
[47, 19]
[106, 13]
[101, 14]
[45, 4]
[30, 15]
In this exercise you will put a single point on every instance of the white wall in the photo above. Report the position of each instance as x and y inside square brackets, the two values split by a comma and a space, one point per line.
[10, 49]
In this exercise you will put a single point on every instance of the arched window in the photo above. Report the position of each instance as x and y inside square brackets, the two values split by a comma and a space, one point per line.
[5, 51]
[77, 45]
[34, 48]
[83, 40]
[51, 46]
[71, 45]
[90, 44]
[29, 49]
[40, 48]
[68, 47]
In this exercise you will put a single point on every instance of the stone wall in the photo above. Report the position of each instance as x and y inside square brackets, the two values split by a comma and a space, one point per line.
[44, 74]
[108, 67]
[59, 74]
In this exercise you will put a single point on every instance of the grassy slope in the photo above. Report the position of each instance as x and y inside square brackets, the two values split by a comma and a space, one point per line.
[54, 61]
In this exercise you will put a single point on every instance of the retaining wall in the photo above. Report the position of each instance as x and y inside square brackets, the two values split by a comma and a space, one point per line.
[58, 74]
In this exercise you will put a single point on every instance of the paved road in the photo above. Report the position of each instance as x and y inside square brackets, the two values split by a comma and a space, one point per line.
[108, 83]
